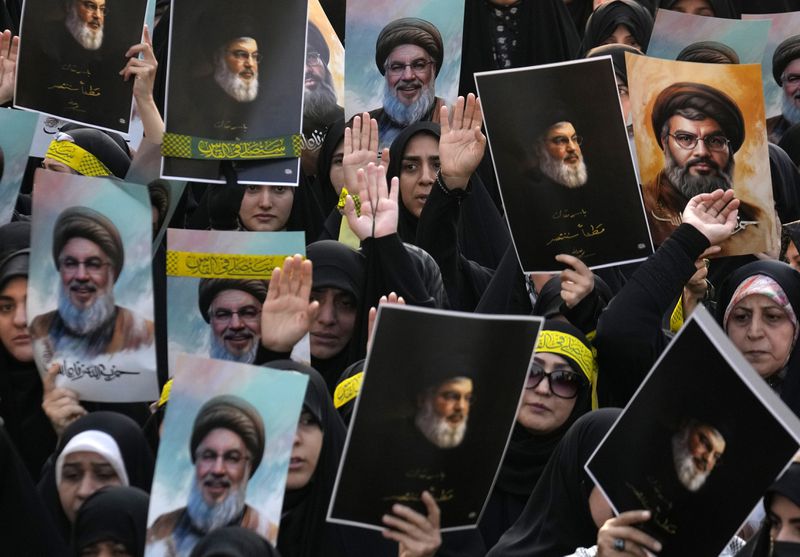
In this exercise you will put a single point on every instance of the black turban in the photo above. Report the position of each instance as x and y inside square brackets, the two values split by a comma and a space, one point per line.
[209, 288]
[82, 222]
[317, 43]
[712, 102]
[409, 30]
[159, 197]
[787, 51]
[708, 52]
[235, 414]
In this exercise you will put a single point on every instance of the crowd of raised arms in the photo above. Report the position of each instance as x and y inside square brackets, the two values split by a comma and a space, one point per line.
[430, 231]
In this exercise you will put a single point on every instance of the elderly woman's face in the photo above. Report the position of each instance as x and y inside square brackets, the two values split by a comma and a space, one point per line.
[763, 333]
[83, 473]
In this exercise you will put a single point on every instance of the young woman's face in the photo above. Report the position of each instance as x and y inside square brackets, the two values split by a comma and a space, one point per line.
[266, 208]
[305, 452]
[82, 474]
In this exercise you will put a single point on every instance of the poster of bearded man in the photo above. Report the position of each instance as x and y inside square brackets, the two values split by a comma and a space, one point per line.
[436, 418]
[695, 443]
[90, 293]
[224, 454]
[71, 53]
[563, 164]
[217, 282]
[402, 61]
[235, 76]
[698, 128]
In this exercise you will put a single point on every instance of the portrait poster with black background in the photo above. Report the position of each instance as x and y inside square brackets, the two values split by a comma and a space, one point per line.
[435, 418]
[564, 185]
[699, 426]
[71, 53]
[235, 83]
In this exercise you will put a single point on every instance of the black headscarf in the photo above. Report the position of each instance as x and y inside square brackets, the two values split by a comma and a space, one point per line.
[322, 187]
[26, 527]
[606, 18]
[108, 147]
[785, 184]
[233, 541]
[407, 222]
[338, 266]
[556, 519]
[789, 281]
[20, 385]
[546, 35]
[303, 530]
[114, 513]
[788, 485]
[133, 448]
[722, 8]
[617, 53]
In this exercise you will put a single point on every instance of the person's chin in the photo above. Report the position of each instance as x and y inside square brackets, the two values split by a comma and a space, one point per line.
[237, 349]
[324, 351]
[215, 495]
[408, 97]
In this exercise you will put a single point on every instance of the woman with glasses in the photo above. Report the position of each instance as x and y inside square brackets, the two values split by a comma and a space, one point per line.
[558, 391]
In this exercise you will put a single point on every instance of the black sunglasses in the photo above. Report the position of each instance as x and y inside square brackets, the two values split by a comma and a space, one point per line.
[564, 383]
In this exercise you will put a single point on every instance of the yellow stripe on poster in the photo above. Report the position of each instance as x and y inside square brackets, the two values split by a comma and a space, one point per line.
[222, 265]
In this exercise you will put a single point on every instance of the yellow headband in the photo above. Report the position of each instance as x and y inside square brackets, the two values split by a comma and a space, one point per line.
[347, 390]
[568, 346]
[77, 158]
[165, 393]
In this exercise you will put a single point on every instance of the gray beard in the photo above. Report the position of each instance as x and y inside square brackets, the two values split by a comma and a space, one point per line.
[87, 38]
[689, 476]
[790, 110]
[690, 185]
[318, 102]
[206, 518]
[403, 115]
[219, 352]
[238, 89]
[85, 321]
[436, 429]
[570, 176]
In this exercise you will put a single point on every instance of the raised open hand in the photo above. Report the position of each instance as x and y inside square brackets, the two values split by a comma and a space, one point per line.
[379, 209]
[9, 48]
[360, 147]
[287, 314]
[713, 214]
[462, 144]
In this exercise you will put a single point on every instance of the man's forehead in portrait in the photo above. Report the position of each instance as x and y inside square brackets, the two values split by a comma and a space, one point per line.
[85, 20]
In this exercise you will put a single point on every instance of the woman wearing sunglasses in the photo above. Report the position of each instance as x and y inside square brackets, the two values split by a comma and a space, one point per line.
[559, 390]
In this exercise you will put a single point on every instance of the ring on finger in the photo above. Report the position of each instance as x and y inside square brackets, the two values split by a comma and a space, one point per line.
[619, 544]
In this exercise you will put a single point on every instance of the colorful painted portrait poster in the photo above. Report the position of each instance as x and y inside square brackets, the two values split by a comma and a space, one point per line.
[694, 444]
[16, 133]
[234, 98]
[224, 452]
[698, 128]
[436, 418]
[70, 56]
[697, 38]
[90, 295]
[780, 97]
[217, 282]
[403, 60]
[563, 164]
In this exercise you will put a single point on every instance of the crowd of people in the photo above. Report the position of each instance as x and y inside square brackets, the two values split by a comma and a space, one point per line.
[398, 205]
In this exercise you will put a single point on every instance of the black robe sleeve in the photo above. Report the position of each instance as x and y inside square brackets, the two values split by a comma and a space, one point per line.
[629, 335]
[437, 233]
